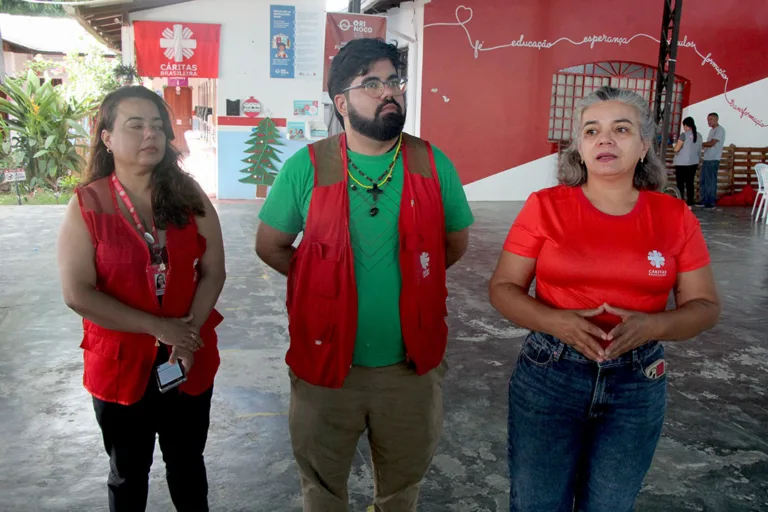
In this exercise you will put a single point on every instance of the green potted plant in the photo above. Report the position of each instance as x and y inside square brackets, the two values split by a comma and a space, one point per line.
[128, 75]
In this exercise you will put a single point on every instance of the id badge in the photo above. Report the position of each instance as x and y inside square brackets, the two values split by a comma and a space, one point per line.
[159, 277]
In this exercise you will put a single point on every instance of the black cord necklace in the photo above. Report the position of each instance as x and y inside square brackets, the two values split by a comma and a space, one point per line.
[375, 189]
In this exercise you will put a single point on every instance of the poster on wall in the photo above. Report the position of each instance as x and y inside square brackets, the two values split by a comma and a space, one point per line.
[178, 50]
[317, 130]
[306, 108]
[281, 44]
[309, 44]
[341, 28]
[296, 130]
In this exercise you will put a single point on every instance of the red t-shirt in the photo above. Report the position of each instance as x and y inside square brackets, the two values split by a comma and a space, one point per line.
[585, 258]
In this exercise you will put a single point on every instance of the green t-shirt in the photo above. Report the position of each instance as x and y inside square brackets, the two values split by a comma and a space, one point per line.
[374, 240]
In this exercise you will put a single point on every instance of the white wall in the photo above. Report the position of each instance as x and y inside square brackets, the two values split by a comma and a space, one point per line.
[244, 59]
[739, 130]
[515, 184]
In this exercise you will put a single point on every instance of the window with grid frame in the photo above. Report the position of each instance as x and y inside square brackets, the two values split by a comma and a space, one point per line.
[571, 84]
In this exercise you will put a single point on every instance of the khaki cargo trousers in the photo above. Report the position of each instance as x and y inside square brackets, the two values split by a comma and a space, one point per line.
[403, 414]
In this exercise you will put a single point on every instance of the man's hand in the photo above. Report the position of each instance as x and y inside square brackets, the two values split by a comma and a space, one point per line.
[634, 330]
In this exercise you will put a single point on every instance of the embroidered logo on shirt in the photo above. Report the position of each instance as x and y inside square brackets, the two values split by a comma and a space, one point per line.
[425, 264]
[657, 261]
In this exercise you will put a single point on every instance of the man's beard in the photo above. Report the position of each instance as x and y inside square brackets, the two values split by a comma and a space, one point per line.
[381, 127]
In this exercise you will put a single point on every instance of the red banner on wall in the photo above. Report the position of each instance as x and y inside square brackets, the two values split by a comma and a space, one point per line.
[341, 28]
[171, 49]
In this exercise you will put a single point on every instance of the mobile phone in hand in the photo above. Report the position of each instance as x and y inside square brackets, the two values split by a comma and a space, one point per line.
[170, 376]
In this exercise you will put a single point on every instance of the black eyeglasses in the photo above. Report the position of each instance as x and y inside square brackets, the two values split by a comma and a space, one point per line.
[375, 87]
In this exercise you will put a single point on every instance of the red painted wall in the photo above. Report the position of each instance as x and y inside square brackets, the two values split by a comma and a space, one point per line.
[498, 109]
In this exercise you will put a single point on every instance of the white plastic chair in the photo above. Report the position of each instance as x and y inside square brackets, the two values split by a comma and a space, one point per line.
[760, 200]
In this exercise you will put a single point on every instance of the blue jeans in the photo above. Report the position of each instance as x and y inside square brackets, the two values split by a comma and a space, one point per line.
[581, 435]
[709, 182]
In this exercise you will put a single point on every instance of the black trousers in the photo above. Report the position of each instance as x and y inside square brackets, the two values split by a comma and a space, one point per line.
[686, 175]
[180, 422]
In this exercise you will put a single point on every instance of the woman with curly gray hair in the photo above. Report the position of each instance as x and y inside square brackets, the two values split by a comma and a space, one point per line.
[588, 396]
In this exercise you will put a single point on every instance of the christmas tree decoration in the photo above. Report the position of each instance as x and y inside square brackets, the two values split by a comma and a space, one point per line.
[262, 154]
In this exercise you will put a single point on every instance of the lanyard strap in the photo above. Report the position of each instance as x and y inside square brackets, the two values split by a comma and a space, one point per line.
[151, 239]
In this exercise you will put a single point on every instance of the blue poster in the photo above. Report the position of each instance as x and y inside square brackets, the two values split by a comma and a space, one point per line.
[282, 37]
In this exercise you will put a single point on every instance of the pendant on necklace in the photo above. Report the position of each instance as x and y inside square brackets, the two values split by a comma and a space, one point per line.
[375, 191]
[162, 267]
[374, 211]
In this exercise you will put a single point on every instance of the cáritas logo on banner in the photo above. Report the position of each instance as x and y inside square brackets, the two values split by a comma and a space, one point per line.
[171, 49]
[341, 28]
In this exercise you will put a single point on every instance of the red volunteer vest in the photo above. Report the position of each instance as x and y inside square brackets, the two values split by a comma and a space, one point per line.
[118, 364]
[322, 294]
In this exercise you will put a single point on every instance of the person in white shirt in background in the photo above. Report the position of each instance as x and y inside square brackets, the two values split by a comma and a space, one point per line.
[687, 156]
[712, 153]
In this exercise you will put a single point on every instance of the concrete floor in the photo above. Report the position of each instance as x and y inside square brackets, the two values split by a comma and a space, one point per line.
[713, 455]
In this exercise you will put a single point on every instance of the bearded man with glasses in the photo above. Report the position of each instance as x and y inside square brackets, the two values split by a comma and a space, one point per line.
[383, 215]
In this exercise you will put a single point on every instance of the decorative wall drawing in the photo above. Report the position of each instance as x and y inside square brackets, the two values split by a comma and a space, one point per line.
[262, 154]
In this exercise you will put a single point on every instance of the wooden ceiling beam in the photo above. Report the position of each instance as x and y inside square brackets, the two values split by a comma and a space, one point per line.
[95, 11]
[104, 21]
[134, 6]
[109, 17]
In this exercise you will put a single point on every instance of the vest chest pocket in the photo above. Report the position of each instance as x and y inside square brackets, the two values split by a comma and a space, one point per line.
[325, 270]
[110, 253]
[121, 268]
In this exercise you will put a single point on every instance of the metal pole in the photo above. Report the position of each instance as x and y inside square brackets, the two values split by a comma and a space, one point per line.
[18, 194]
[662, 63]
[672, 64]
[665, 78]
[354, 6]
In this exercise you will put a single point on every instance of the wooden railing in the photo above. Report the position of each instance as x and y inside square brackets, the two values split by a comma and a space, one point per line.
[737, 169]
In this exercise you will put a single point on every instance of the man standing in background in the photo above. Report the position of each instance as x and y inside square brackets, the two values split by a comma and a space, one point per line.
[713, 151]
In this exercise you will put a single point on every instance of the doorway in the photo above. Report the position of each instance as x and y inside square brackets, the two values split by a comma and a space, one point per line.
[180, 101]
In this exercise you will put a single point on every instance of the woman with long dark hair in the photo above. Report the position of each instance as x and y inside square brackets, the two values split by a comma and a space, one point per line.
[141, 259]
[588, 395]
[687, 157]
